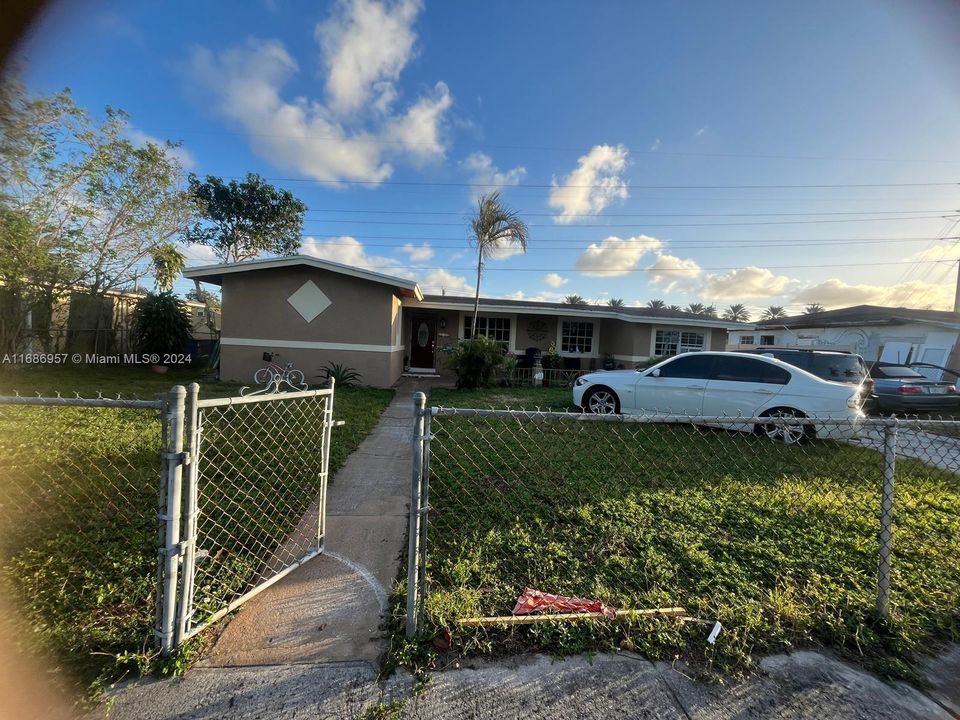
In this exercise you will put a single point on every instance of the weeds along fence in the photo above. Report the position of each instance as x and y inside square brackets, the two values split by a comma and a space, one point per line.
[130, 525]
[850, 542]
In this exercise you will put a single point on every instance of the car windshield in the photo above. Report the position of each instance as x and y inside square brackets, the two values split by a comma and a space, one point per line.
[841, 368]
[897, 372]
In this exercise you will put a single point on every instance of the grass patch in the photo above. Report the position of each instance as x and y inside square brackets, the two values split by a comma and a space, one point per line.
[779, 543]
[552, 398]
[78, 522]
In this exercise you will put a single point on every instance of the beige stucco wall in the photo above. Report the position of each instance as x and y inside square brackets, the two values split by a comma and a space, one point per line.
[362, 313]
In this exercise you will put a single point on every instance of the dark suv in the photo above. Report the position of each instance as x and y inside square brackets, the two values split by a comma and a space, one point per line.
[832, 365]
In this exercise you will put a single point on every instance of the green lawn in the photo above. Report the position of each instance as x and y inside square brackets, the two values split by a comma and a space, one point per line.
[78, 526]
[554, 398]
[779, 543]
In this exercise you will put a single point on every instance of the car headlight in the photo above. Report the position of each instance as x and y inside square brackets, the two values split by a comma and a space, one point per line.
[580, 381]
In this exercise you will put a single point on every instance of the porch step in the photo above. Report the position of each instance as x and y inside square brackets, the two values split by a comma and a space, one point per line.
[420, 374]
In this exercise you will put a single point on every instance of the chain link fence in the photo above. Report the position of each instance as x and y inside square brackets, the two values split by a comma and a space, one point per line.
[130, 524]
[782, 536]
[79, 523]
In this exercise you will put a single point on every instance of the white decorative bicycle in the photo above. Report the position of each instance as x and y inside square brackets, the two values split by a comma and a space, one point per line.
[273, 376]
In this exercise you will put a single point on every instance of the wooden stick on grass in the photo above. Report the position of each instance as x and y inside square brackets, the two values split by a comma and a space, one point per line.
[532, 619]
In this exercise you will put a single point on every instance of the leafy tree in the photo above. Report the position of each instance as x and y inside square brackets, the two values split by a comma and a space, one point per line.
[656, 304]
[161, 324]
[240, 220]
[204, 296]
[696, 308]
[574, 300]
[93, 205]
[615, 302]
[168, 262]
[813, 308]
[736, 313]
[495, 227]
[774, 312]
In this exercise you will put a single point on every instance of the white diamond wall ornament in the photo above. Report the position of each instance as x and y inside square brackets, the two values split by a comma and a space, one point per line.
[309, 301]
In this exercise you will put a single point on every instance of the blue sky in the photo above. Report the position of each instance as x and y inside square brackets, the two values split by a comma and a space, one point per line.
[620, 130]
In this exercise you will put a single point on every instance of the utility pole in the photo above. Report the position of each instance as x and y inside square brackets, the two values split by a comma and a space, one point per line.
[956, 296]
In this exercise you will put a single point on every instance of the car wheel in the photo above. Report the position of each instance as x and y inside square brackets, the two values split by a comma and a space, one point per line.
[601, 401]
[786, 433]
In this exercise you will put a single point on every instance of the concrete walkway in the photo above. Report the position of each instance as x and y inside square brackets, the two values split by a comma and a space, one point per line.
[800, 686]
[331, 609]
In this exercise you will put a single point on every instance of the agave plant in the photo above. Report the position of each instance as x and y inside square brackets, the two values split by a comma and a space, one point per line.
[342, 375]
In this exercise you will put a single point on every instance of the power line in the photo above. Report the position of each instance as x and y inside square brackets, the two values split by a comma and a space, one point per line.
[549, 148]
[524, 213]
[573, 241]
[636, 225]
[628, 186]
[672, 245]
[618, 270]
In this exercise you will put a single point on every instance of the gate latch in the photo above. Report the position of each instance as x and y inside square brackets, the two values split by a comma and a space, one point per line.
[180, 458]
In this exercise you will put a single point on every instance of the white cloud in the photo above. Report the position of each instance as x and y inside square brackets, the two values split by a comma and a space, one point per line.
[365, 46]
[672, 272]
[834, 293]
[616, 256]
[655, 145]
[197, 253]
[700, 131]
[941, 251]
[592, 185]
[438, 282]
[354, 132]
[418, 253]
[748, 282]
[350, 251]
[555, 280]
[178, 152]
[486, 176]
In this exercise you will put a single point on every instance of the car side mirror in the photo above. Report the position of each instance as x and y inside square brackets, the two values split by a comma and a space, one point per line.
[655, 373]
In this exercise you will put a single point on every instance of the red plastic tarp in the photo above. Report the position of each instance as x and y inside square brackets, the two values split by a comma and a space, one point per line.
[531, 601]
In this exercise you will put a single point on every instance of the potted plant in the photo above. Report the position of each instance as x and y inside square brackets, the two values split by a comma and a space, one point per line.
[609, 363]
[161, 327]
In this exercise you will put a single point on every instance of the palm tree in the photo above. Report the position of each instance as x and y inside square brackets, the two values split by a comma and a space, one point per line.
[574, 300]
[774, 312]
[495, 226]
[696, 308]
[736, 313]
[710, 311]
[813, 308]
[656, 304]
[615, 302]
[674, 308]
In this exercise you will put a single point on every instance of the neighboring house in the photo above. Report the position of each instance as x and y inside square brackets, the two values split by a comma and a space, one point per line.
[80, 322]
[316, 312]
[877, 333]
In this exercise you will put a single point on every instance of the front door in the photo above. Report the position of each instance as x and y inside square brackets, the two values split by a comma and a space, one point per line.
[423, 342]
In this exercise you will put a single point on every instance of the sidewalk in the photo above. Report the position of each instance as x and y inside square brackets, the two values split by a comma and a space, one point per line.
[330, 610]
[801, 686]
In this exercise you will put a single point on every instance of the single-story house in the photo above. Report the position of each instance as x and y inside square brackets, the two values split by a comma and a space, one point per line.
[315, 312]
[876, 333]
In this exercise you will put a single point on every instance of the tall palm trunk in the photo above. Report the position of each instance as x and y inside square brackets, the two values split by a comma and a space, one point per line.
[476, 300]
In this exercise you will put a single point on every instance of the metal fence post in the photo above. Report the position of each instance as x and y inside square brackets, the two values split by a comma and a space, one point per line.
[173, 464]
[190, 509]
[325, 466]
[886, 520]
[424, 505]
[413, 537]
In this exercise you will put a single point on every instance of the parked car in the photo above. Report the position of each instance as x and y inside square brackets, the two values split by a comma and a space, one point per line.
[833, 365]
[715, 384]
[898, 388]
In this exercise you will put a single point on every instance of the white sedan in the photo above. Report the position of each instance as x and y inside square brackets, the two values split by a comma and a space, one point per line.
[727, 384]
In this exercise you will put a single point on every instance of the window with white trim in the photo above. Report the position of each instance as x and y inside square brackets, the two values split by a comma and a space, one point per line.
[677, 342]
[576, 336]
[767, 340]
[746, 339]
[495, 328]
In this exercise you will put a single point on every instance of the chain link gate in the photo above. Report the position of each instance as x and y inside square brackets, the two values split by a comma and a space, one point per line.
[246, 499]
